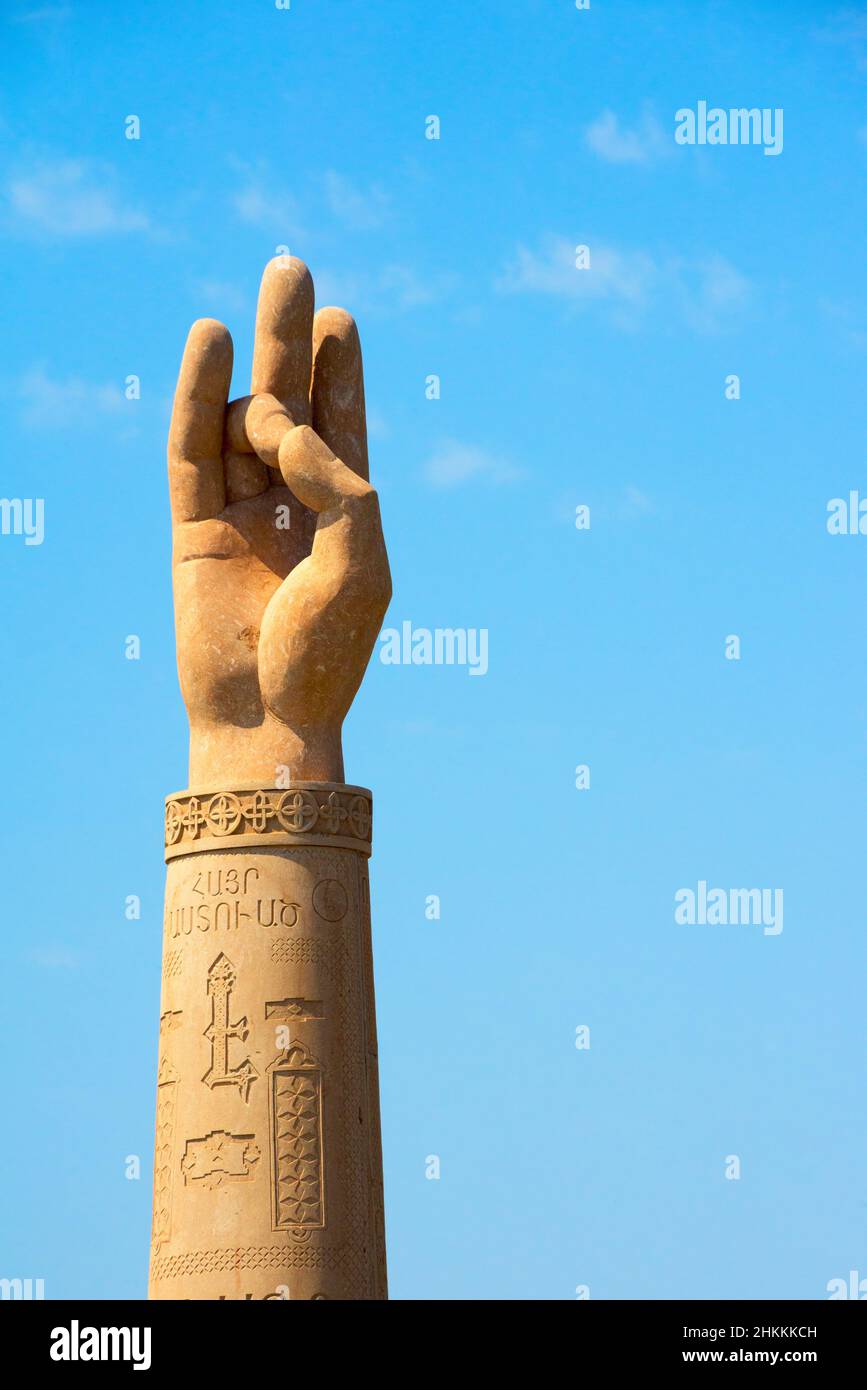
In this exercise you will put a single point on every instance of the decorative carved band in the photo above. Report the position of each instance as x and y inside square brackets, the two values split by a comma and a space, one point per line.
[305, 813]
[256, 1257]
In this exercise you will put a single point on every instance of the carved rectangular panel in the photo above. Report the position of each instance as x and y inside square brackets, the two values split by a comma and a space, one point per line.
[167, 1081]
[296, 1117]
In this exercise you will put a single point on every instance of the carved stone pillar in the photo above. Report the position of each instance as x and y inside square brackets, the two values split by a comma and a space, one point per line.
[268, 1168]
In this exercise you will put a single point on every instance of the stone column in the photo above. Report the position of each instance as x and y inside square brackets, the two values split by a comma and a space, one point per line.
[267, 1123]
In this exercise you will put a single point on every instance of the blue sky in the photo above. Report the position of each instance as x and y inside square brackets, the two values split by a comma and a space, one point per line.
[263, 128]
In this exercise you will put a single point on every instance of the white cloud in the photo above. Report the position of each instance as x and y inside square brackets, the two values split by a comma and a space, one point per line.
[71, 198]
[627, 504]
[453, 463]
[624, 276]
[393, 287]
[845, 318]
[56, 402]
[220, 295]
[405, 287]
[618, 145]
[362, 210]
[261, 204]
[707, 290]
[637, 503]
[711, 289]
[48, 14]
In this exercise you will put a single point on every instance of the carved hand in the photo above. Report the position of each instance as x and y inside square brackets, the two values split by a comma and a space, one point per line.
[281, 578]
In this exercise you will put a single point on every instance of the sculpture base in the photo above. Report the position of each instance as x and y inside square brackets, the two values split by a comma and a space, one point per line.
[268, 1175]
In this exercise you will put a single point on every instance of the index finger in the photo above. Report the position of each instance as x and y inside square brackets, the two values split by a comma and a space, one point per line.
[196, 481]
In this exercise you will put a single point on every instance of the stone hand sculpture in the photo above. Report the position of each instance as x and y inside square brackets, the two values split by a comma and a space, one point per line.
[281, 578]
[268, 1171]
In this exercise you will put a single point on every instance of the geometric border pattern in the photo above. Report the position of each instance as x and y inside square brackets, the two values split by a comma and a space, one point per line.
[304, 813]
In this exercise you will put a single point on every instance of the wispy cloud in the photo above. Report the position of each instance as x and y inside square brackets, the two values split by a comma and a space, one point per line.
[628, 504]
[46, 14]
[219, 295]
[707, 291]
[711, 290]
[636, 503]
[323, 202]
[70, 198]
[393, 288]
[846, 319]
[361, 209]
[261, 203]
[621, 276]
[620, 145]
[453, 463]
[56, 402]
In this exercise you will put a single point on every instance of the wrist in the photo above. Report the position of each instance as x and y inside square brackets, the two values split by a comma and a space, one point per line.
[224, 756]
